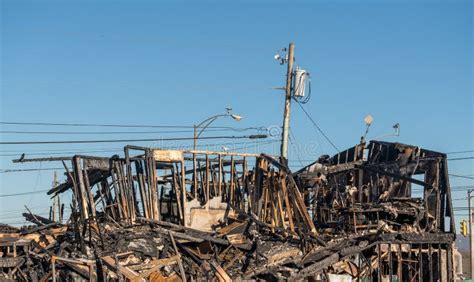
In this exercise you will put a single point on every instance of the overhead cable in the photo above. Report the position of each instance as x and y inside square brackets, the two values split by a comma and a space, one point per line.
[128, 140]
[317, 126]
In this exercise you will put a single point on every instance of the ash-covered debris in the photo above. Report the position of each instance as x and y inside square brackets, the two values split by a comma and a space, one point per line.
[369, 213]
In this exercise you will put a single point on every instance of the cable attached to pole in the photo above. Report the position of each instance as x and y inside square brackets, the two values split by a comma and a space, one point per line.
[317, 127]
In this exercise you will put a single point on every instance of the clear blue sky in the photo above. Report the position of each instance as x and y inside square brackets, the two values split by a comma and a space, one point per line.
[145, 62]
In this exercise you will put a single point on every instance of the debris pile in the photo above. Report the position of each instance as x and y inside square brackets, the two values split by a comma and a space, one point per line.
[195, 215]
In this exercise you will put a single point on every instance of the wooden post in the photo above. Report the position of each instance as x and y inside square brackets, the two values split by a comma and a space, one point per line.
[208, 195]
[183, 185]
[221, 168]
[53, 267]
[287, 201]
[286, 114]
[177, 191]
[82, 198]
[141, 187]
[152, 185]
[195, 182]
[181, 269]
[232, 180]
[89, 193]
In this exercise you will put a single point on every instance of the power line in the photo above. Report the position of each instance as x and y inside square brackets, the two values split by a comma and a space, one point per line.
[459, 187]
[95, 125]
[456, 188]
[316, 125]
[260, 143]
[61, 168]
[460, 152]
[125, 132]
[96, 132]
[29, 169]
[24, 193]
[458, 159]
[453, 159]
[461, 176]
[128, 140]
[92, 150]
[59, 150]
[59, 153]
[292, 137]
[13, 153]
[117, 125]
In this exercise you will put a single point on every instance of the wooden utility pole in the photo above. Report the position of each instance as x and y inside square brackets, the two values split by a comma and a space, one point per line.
[471, 238]
[286, 114]
[56, 204]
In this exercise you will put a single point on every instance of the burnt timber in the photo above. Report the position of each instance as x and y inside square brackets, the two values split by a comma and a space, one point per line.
[156, 215]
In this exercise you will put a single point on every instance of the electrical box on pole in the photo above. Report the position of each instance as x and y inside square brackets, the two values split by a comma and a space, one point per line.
[295, 88]
[300, 78]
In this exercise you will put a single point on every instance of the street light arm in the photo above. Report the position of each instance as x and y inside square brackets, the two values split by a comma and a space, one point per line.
[385, 135]
[208, 122]
[396, 133]
[205, 123]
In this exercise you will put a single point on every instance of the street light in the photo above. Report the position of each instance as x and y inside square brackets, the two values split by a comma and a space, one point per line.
[236, 117]
[396, 127]
[368, 121]
[205, 123]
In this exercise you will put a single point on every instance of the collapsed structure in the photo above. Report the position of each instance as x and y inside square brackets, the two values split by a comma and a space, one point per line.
[197, 215]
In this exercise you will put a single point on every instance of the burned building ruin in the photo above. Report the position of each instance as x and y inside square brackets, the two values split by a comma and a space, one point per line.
[376, 212]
